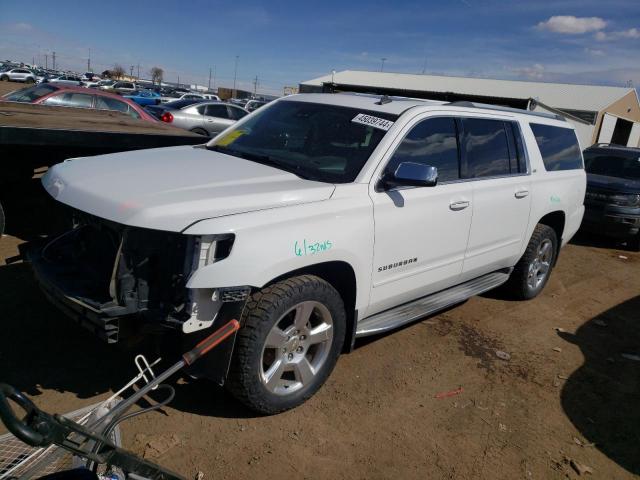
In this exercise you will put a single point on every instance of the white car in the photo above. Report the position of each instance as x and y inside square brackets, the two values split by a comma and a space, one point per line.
[315, 220]
[72, 80]
[189, 96]
[18, 75]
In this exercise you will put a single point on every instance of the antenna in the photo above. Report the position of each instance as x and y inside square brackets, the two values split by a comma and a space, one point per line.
[384, 100]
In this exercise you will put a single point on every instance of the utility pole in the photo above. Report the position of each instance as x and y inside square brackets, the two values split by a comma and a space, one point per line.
[46, 61]
[131, 71]
[178, 80]
[89, 61]
[138, 71]
[214, 77]
[382, 65]
[255, 85]
[53, 54]
[235, 74]
[209, 84]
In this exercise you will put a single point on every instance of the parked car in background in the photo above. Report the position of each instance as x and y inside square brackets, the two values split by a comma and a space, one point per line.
[210, 96]
[89, 77]
[79, 97]
[202, 117]
[144, 97]
[183, 96]
[252, 105]
[612, 201]
[17, 75]
[124, 87]
[100, 83]
[70, 80]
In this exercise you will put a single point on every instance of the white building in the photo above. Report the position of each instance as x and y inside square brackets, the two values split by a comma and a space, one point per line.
[600, 114]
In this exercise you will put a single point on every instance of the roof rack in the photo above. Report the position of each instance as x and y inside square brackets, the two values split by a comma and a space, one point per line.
[499, 108]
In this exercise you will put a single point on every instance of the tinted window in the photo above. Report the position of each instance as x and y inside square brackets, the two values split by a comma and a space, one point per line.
[181, 103]
[613, 165]
[201, 109]
[487, 150]
[30, 94]
[79, 100]
[558, 146]
[431, 142]
[236, 113]
[219, 111]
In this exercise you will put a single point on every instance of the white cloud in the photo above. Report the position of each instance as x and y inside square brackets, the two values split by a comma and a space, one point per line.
[596, 52]
[571, 25]
[631, 33]
[534, 72]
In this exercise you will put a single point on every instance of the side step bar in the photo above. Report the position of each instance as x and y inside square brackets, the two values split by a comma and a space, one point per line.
[409, 312]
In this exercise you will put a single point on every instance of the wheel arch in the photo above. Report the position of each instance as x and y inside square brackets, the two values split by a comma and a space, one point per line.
[557, 221]
[341, 276]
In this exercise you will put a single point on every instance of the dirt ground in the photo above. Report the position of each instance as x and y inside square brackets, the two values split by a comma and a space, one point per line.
[566, 394]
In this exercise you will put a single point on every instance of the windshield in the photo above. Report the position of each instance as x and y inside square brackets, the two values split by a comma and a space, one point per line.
[320, 142]
[30, 94]
[627, 167]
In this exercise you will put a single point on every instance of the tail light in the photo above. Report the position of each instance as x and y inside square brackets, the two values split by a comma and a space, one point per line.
[167, 117]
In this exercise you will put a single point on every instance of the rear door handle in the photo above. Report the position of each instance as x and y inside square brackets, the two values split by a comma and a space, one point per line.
[459, 205]
[522, 193]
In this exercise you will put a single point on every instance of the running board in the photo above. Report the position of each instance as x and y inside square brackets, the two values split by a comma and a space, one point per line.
[409, 312]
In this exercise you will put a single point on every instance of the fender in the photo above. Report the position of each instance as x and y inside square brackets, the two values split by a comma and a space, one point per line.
[271, 243]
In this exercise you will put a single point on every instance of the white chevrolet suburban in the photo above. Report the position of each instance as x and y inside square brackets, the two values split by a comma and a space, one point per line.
[315, 220]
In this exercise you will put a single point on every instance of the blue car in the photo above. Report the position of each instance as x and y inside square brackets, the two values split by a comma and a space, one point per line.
[145, 97]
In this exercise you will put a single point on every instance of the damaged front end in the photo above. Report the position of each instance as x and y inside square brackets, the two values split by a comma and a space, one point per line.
[127, 284]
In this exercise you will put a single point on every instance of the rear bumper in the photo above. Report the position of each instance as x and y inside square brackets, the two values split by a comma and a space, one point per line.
[612, 221]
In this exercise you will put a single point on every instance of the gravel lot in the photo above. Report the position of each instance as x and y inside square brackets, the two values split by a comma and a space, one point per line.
[562, 396]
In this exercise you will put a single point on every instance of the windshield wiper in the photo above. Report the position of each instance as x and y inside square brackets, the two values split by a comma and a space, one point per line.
[263, 159]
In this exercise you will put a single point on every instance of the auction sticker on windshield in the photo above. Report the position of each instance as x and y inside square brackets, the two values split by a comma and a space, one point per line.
[371, 121]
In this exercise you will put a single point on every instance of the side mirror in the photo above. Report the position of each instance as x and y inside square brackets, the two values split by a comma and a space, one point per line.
[411, 174]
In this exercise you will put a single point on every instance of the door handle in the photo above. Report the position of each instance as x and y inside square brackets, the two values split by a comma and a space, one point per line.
[522, 193]
[459, 205]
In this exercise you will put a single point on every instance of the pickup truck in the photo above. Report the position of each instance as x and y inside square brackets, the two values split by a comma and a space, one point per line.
[315, 220]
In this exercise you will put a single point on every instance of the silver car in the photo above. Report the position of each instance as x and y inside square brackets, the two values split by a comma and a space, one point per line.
[17, 75]
[202, 117]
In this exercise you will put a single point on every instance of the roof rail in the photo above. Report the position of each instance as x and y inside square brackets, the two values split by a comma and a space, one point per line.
[499, 108]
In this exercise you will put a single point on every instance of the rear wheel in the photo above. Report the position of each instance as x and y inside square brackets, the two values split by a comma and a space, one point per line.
[634, 243]
[200, 131]
[291, 338]
[532, 272]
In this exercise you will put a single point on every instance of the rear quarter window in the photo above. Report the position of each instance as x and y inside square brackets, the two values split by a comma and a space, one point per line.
[558, 146]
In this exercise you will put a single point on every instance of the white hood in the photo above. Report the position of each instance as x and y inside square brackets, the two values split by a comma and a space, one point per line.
[172, 188]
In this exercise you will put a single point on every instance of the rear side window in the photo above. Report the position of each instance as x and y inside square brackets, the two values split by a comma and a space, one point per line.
[219, 111]
[486, 148]
[107, 103]
[558, 146]
[431, 142]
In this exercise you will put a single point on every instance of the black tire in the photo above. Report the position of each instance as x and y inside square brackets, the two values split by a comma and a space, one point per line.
[634, 243]
[200, 131]
[1, 221]
[519, 283]
[4, 78]
[30, 80]
[266, 309]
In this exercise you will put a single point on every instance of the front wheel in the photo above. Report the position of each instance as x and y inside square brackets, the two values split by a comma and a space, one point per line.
[532, 272]
[30, 80]
[291, 338]
[4, 78]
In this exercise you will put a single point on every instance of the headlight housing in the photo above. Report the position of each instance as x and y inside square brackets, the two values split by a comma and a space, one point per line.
[212, 248]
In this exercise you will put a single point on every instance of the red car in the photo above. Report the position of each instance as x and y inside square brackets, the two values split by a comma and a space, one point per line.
[79, 97]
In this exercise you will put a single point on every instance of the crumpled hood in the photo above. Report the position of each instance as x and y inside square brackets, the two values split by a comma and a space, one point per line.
[172, 188]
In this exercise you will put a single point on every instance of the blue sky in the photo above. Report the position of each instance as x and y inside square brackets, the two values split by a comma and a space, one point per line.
[283, 43]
